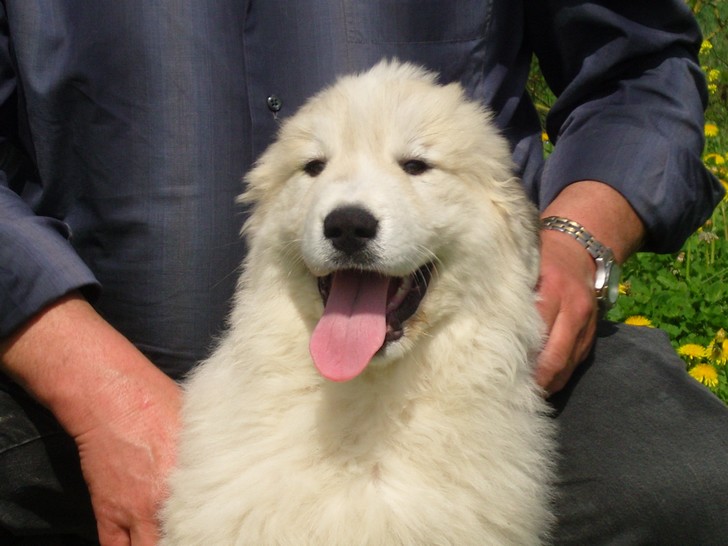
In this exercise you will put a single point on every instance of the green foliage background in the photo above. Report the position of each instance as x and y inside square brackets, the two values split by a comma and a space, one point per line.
[686, 293]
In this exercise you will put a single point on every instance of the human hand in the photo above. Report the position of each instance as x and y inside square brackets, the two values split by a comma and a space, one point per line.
[125, 461]
[121, 410]
[568, 307]
[568, 303]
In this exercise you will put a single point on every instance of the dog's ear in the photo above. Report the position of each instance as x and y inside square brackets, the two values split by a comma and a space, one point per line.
[256, 184]
[522, 232]
[530, 248]
[263, 182]
[259, 181]
[249, 200]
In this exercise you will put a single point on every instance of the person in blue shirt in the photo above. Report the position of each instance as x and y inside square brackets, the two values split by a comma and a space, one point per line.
[125, 128]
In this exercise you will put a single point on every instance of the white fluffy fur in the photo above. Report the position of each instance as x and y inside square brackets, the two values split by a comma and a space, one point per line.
[444, 439]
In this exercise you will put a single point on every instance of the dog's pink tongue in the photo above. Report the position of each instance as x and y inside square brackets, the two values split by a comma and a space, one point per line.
[353, 326]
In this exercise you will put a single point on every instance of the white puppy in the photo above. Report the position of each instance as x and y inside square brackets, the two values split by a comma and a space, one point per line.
[375, 385]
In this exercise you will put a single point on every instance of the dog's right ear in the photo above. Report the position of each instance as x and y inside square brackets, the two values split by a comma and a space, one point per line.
[263, 182]
[254, 188]
[259, 181]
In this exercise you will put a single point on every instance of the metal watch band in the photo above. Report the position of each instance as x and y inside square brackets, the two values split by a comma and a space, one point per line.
[577, 231]
[606, 281]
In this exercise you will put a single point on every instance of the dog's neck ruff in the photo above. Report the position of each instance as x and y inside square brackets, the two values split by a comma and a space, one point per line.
[363, 311]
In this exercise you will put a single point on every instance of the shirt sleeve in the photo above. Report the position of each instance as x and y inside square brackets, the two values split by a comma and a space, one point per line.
[629, 109]
[38, 264]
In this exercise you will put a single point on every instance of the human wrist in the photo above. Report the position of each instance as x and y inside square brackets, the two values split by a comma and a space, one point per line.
[607, 270]
[604, 212]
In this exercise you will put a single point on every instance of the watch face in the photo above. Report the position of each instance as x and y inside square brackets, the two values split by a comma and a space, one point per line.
[614, 274]
[606, 283]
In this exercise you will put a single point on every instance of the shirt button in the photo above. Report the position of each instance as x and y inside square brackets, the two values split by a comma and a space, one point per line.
[274, 103]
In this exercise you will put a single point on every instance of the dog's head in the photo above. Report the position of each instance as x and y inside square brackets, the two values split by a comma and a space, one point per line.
[391, 200]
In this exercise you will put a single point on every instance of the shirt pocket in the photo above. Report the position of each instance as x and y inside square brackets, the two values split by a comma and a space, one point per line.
[416, 21]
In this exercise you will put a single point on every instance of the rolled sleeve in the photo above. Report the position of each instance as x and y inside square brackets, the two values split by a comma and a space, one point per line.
[38, 265]
[629, 111]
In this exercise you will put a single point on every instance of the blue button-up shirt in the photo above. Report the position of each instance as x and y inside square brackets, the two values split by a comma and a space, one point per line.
[126, 126]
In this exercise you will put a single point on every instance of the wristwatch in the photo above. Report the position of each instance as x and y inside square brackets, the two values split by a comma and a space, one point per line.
[606, 283]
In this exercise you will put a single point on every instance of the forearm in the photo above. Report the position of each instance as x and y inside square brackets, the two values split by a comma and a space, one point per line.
[73, 362]
[604, 212]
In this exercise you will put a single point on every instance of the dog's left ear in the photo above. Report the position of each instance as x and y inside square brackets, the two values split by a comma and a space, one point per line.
[532, 251]
[523, 230]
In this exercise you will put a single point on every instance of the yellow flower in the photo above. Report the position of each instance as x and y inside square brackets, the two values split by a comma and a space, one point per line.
[715, 158]
[711, 130]
[718, 352]
[544, 136]
[718, 348]
[638, 320]
[705, 46]
[692, 351]
[713, 75]
[624, 288]
[706, 374]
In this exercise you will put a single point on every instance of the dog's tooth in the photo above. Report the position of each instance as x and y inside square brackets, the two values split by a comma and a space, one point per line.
[403, 289]
[407, 281]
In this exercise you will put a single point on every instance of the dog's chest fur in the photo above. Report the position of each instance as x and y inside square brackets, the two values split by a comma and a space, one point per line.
[428, 452]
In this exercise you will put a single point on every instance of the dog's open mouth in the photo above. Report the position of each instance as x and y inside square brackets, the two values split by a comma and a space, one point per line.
[363, 310]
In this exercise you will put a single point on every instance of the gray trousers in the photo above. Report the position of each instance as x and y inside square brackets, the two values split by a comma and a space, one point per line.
[644, 456]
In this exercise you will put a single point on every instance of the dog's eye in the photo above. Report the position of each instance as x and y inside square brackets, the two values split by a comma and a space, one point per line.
[414, 166]
[314, 167]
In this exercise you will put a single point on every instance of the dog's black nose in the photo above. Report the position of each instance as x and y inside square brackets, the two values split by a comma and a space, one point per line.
[350, 228]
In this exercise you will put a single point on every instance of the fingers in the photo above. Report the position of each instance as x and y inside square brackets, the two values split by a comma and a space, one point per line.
[140, 534]
[113, 535]
[128, 517]
[569, 341]
[145, 534]
[126, 460]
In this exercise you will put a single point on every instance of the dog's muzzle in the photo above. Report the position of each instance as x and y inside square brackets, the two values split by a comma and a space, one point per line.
[363, 310]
